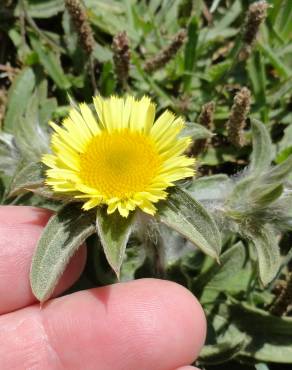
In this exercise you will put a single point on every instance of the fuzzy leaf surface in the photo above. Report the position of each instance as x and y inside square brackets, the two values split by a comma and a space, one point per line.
[223, 351]
[31, 138]
[188, 217]
[215, 187]
[18, 98]
[51, 63]
[223, 277]
[274, 345]
[279, 173]
[261, 153]
[196, 131]
[29, 177]
[264, 241]
[9, 154]
[42, 9]
[61, 238]
[224, 340]
[114, 232]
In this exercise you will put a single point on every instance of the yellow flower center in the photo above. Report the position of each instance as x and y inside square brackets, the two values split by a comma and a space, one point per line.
[119, 163]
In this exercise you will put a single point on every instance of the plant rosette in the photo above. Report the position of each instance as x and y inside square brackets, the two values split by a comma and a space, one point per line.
[106, 167]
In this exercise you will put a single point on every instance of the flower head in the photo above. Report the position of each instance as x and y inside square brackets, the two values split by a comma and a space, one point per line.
[122, 158]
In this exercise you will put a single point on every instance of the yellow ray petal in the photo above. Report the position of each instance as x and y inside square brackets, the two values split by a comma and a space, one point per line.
[91, 203]
[142, 115]
[89, 119]
[49, 160]
[162, 124]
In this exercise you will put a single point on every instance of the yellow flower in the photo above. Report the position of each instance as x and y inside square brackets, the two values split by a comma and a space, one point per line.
[122, 158]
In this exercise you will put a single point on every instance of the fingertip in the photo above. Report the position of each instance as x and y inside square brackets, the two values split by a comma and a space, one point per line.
[186, 312]
[20, 229]
[150, 324]
[15, 215]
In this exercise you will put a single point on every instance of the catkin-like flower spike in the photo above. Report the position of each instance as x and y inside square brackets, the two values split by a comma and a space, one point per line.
[284, 300]
[236, 122]
[121, 57]
[206, 118]
[79, 18]
[167, 53]
[256, 14]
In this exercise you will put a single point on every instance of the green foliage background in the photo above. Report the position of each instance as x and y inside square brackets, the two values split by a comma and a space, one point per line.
[41, 61]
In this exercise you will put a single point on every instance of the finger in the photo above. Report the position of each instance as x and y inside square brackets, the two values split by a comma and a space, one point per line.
[188, 368]
[20, 229]
[144, 324]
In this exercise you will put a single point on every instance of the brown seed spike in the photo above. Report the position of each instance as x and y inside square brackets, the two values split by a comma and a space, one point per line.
[206, 118]
[167, 53]
[256, 14]
[79, 18]
[282, 303]
[121, 57]
[236, 122]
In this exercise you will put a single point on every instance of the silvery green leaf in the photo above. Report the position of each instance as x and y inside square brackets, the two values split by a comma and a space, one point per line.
[61, 238]
[51, 63]
[223, 277]
[262, 196]
[9, 154]
[278, 173]
[261, 156]
[196, 131]
[134, 257]
[264, 240]
[31, 139]
[29, 177]
[188, 217]
[274, 345]
[223, 351]
[285, 145]
[41, 9]
[215, 187]
[114, 232]
[18, 97]
[174, 245]
[224, 340]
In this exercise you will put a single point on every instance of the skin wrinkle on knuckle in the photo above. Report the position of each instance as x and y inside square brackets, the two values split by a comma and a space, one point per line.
[28, 338]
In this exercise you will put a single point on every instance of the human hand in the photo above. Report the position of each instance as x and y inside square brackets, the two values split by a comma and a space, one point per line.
[141, 325]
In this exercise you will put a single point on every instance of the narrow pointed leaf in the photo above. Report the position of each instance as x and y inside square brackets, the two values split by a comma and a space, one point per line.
[188, 217]
[114, 231]
[274, 345]
[29, 177]
[224, 340]
[266, 245]
[63, 235]
[222, 352]
[51, 63]
[18, 98]
[261, 153]
[211, 187]
[279, 173]
[196, 131]
[9, 154]
[221, 277]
